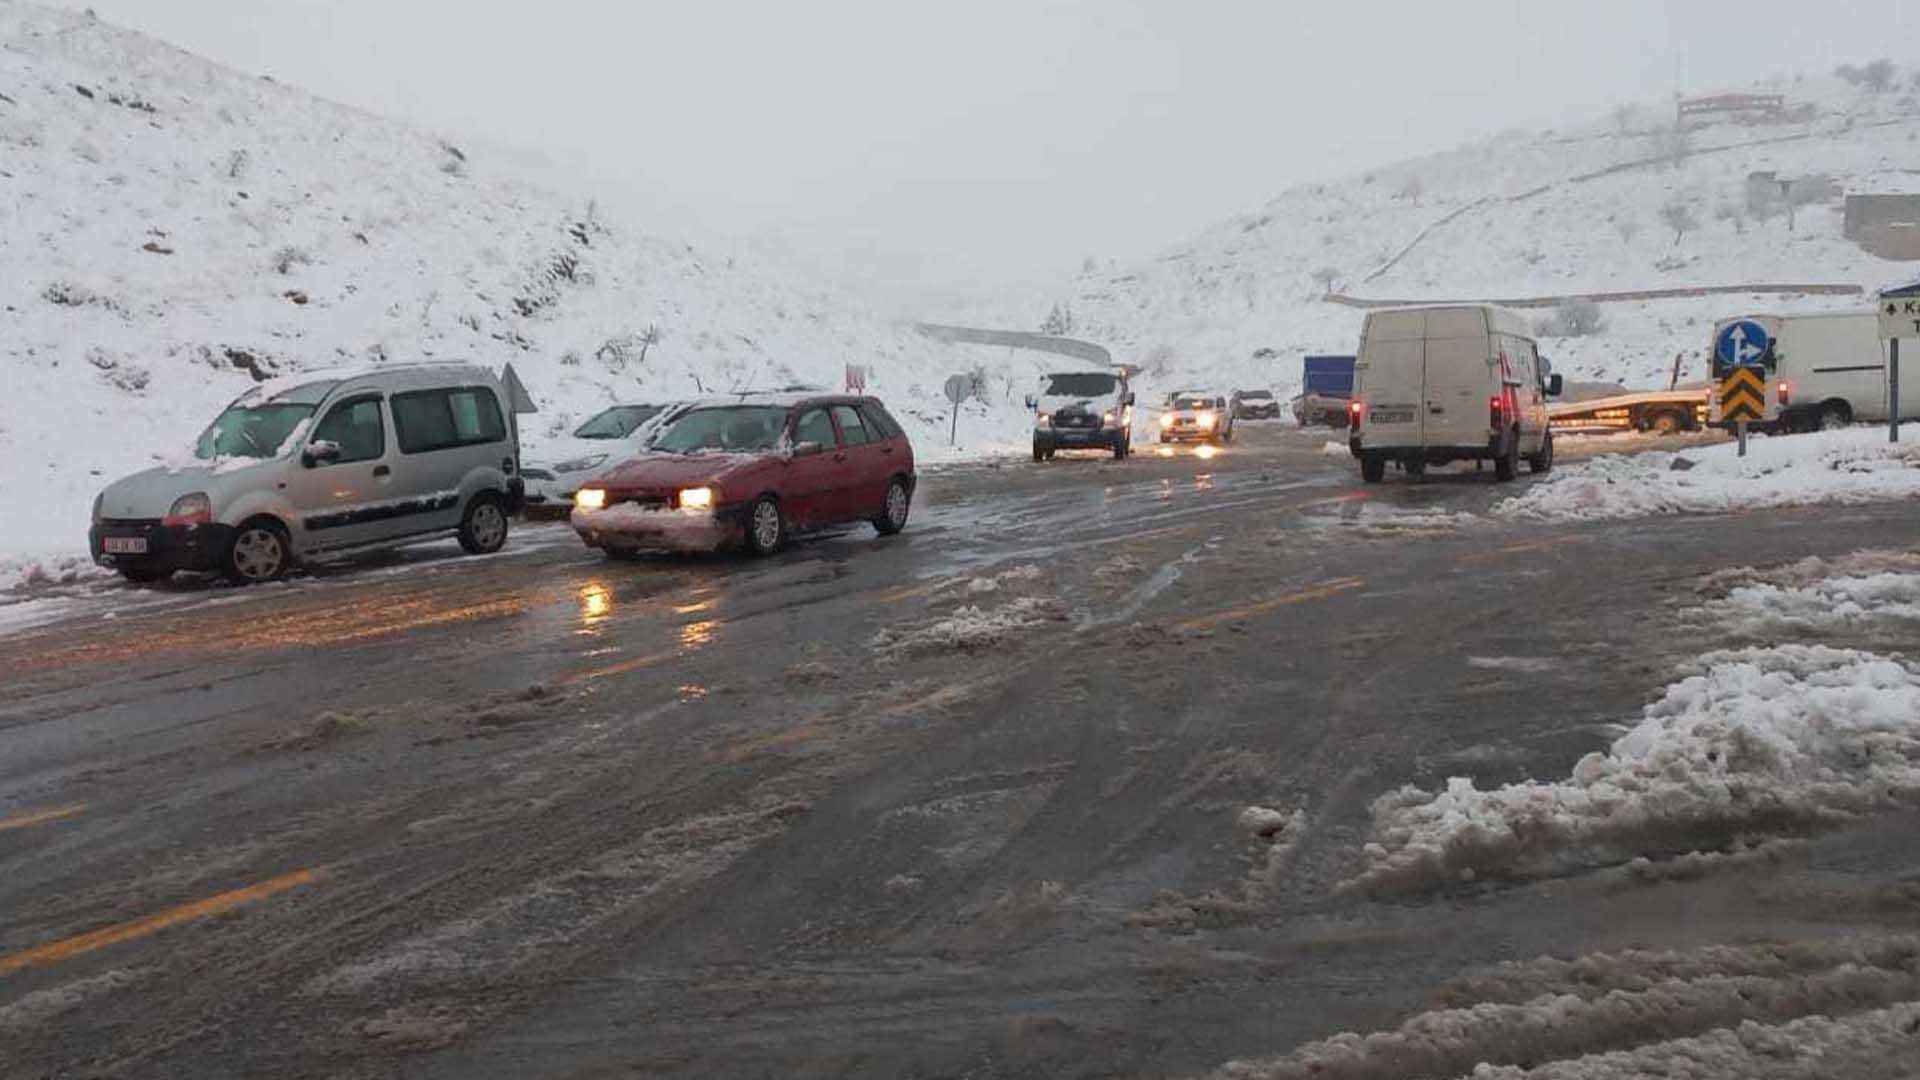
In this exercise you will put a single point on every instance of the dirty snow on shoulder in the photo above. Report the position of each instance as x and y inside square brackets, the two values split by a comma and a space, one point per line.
[175, 232]
[1851, 465]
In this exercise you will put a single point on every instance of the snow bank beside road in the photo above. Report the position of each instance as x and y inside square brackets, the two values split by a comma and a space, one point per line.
[1853, 465]
[1750, 741]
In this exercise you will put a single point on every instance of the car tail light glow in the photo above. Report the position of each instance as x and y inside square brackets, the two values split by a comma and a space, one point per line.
[1355, 410]
[1786, 393]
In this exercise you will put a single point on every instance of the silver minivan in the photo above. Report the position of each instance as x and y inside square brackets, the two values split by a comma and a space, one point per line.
[307, 466]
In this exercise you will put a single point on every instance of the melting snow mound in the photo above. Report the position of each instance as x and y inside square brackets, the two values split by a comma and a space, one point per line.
[1752, 741]
[1853, 465]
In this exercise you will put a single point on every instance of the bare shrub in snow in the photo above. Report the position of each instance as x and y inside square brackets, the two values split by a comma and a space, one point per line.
[1413, 189]
[1623, 115]
[617, 352]
[1673, 144]
[285, 259]
[73, 294]
[237, 163]
[1575, 318]
[453, 162]
[1728, 213]
[1058, 321]
[1326, 278]
[1677, 214]
[1627, 226]
[1878, 75]
[1763, 201]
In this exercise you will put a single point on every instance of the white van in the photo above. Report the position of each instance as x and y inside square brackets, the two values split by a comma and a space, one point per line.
[319, 464]
[1823, 371]
[1440, 384]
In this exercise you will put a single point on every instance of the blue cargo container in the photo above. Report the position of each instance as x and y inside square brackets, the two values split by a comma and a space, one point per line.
[1329, 376]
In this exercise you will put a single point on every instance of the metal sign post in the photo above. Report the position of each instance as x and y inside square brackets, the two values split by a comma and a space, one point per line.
[958, 389]
[1899, 318]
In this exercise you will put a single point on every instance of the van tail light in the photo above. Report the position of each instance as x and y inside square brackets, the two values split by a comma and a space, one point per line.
[1786, 393]
[1497, 412]
[1354, 411]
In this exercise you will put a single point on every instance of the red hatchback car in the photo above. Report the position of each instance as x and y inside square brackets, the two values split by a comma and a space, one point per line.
[753, 471]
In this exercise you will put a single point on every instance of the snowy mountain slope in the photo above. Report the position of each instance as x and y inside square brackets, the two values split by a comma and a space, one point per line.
[170, 229]
[1520, 214]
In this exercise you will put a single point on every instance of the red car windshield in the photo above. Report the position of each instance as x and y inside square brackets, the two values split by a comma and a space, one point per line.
[736, 429]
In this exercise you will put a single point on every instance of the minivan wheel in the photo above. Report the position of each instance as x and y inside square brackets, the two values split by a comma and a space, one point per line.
[766, 526]
[1373, 468]
[259, 553]
[1833, 415]
[893, 513]
[1542, 461]
[483, 528]
[1507, 465]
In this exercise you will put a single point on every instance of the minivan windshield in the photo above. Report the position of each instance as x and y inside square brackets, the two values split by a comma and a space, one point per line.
[617, 422]
[251, 431]
[1255, 395]
[1188, 401]
[727, 428]
[1081, 384]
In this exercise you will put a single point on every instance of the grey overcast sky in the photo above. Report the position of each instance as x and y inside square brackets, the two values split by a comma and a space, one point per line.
[982, 144]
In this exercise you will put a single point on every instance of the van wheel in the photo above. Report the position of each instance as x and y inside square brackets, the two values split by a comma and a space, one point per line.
[1039, 452]
[766, 526]
[483, 528]
[1834, 415]
[1415, 468]
[1543, 461]
[893, 513]
[260, 552]
[1507, 465]
[1373, 468]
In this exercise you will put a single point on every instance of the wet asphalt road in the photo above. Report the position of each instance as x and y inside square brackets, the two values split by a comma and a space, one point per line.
[544, 815]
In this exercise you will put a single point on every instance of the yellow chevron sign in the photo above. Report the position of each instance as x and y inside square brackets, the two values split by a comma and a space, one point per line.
[1743, 396]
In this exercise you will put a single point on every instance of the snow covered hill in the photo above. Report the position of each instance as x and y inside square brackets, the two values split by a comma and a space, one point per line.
[170, 230]
[1591, 208]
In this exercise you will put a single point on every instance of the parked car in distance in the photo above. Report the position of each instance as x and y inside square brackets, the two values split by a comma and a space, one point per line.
[1082, 410]
[1196, 416]
[1326, 386]
[753, 471]
[1255, 405]
[1441, 384]
[606, 439]
[323, 464]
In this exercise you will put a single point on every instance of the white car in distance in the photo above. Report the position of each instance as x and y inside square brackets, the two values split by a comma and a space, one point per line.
[606, 439]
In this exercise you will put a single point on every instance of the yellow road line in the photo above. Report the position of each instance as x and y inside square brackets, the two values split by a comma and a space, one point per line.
[139, 928]
[1250, 610]
[41, 817]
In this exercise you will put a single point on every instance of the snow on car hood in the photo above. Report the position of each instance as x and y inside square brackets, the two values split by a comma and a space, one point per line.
[659, 470]
[1053, 403]
[151, 492]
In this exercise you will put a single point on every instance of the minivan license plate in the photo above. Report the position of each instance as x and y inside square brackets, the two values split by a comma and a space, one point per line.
[126, 545]
[1393, 416]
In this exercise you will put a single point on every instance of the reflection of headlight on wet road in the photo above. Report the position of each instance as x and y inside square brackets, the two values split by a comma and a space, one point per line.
[1205, 451]
[595, 603]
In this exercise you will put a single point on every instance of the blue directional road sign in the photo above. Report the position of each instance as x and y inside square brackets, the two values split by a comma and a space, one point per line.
[1742, 344]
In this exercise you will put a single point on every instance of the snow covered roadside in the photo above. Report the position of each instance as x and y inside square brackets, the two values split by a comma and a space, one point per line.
[1852, 465]
[1748, 745]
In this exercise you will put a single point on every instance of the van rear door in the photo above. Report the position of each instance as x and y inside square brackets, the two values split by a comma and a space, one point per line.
[1462, 377]
[1390, 378]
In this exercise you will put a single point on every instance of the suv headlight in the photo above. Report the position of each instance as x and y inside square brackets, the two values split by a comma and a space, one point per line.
[591, 461]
